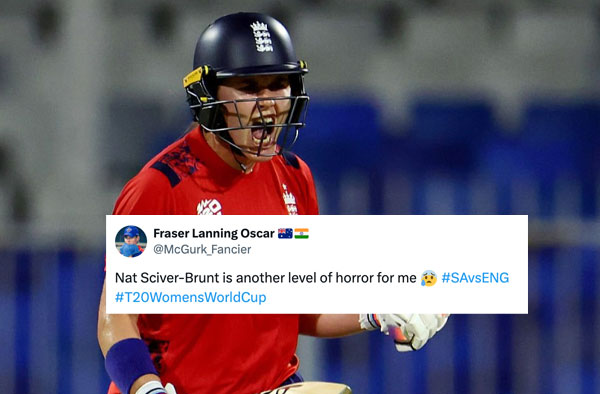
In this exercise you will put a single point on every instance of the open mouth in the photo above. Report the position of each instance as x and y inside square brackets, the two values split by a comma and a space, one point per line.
[263, 136]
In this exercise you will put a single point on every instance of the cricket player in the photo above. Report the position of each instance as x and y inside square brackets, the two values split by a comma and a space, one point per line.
[247, 95]
[131, 237]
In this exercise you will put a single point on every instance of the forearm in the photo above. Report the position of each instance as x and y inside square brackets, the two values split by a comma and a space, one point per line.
[115, 328]
[329, 325]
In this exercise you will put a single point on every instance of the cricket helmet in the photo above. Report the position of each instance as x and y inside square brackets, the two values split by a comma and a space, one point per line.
[245, 44]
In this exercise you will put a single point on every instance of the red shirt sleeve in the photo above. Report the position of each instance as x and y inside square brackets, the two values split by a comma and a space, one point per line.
[148, 193]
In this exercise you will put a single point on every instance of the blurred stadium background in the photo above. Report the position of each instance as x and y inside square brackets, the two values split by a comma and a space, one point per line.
[417, 107]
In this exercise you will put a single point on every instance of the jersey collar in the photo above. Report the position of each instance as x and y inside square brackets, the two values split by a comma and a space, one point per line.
[209, 157]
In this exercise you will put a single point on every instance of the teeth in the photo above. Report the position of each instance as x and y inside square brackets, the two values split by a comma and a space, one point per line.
[267, 121]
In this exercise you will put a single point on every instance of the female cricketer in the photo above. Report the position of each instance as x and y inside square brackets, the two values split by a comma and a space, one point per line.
[247, 95]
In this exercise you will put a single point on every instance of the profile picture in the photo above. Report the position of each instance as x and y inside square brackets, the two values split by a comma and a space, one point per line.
[131, 241]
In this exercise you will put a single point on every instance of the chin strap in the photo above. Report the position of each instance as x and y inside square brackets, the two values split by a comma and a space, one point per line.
[242, 165]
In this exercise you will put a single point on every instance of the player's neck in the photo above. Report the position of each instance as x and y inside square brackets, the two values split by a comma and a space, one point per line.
[224, 151]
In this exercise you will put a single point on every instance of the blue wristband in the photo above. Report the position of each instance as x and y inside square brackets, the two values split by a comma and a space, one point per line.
[126, 361]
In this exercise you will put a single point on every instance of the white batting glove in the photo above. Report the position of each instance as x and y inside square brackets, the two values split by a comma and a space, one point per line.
[410, 331]
[155, 387]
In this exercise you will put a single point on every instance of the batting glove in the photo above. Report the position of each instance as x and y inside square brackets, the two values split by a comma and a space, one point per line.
[410, 332]
[155, 387]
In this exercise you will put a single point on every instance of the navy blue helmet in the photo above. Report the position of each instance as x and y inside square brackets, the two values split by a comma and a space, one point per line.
[244, 44]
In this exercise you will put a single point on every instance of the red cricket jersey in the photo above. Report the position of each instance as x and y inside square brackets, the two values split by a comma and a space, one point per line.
[219, 353]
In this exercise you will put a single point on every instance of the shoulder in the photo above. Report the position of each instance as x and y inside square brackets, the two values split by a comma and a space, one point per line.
[150, 191]
[291, 162]
[175, 163]
[291, 159]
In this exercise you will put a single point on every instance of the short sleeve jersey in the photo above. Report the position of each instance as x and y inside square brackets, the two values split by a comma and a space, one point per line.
[219, 353]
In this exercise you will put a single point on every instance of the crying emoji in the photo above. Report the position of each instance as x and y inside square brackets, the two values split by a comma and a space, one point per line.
[429, 278]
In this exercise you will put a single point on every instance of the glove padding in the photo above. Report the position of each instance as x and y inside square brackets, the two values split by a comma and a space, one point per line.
[410, 331]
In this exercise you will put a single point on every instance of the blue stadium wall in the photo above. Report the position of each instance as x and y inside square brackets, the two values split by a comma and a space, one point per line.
[453, 157]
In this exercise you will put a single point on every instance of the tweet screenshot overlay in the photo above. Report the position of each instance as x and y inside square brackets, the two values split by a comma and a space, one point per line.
[316, 264]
